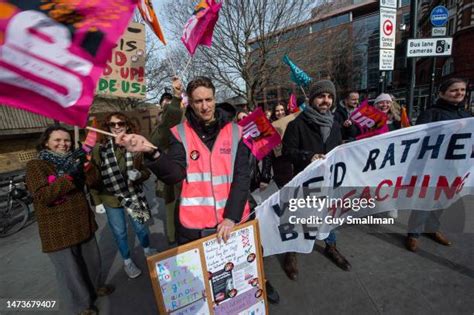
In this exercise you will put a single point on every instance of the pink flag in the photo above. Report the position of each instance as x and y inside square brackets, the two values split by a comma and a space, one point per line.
[53, 52]
[369, 120]
[292, 105]
[198, 30]
[259, 134]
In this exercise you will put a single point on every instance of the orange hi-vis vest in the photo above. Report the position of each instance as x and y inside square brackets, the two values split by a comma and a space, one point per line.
[209, 175]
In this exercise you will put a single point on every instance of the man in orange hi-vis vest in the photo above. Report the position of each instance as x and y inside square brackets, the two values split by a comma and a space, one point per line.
[207, 154]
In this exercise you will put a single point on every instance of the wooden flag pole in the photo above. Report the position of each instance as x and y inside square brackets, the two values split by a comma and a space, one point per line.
[187, 65]
[114, 135]
[76, 137]
[304, 93]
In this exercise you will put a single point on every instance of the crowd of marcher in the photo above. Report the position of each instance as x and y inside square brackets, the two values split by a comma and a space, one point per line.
[207, 172]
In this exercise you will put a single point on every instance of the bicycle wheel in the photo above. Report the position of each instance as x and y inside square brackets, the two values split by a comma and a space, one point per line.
[14, 219]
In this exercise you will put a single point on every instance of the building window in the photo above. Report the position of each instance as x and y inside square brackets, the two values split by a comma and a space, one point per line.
[404, 3]
[448, 67]
[451, 27]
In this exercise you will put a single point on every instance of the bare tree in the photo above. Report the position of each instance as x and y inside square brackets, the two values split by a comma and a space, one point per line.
[242, 29]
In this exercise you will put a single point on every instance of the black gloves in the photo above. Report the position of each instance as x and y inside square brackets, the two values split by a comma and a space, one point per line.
[77, 173]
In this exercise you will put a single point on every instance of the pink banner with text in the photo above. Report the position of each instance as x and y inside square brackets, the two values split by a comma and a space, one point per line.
[259, 134]
[52, 52]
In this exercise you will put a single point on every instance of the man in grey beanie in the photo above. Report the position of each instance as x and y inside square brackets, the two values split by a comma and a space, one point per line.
[307, 138]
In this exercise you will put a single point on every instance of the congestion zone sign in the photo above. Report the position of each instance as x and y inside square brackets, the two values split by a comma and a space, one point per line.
[388, 18]
[387, 27]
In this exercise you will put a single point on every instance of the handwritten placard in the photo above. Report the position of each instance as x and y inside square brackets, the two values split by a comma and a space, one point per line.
[233, 271]
[182, 283]
[233, 281]
[124, 74]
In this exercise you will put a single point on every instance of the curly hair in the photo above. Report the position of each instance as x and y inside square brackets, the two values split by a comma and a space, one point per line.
[131, 127]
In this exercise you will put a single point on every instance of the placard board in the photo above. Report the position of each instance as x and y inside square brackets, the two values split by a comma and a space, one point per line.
[124, 74]
[208, 277]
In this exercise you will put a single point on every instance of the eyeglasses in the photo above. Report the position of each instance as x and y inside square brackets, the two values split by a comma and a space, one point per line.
[117, 124]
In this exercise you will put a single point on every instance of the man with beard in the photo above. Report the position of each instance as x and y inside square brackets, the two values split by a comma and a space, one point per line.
[342, 113]
[309, 137]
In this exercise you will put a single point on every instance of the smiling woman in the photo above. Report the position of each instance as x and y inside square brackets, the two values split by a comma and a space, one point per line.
[120, 190]
[65, 221]
[453, 91]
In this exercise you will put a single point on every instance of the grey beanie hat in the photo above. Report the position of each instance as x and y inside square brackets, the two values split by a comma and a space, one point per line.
[322, 86]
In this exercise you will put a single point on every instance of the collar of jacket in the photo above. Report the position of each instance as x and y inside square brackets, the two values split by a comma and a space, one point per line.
[443, 104]
[222, 118]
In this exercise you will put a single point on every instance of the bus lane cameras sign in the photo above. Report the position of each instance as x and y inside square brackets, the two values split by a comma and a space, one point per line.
[429, 47]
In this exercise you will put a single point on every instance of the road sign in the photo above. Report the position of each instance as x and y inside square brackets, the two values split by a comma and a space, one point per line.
[388, 27]
[438, 31]
[426, 47]
[388, 4]
[386, 59]
[439, 16]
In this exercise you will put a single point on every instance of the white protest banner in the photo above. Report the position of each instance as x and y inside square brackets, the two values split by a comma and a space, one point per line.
[426, 167]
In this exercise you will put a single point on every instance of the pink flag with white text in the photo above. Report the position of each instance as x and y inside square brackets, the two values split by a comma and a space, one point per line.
[370, 120]
[200, 27]
[259, 134]
[52, 52]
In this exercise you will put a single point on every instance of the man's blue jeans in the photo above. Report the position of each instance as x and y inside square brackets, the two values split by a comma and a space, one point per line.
[118, 225]
[331, 239]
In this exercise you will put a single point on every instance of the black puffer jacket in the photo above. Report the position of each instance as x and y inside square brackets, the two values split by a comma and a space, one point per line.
[442, 110]
[303, 140]
[171, 167]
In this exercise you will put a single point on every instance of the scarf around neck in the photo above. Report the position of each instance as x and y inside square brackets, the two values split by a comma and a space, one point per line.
[129, 194]
[64, 163]
[324, 121]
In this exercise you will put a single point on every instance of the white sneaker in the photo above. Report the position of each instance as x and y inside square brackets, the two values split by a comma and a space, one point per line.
[150, 251]
[132, 270]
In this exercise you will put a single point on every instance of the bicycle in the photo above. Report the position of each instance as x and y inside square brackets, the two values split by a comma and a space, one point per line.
[14, 210]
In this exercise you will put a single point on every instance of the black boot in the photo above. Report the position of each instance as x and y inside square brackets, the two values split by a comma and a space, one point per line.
[272, 294]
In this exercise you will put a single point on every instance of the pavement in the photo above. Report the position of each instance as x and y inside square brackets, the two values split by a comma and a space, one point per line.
[385, 277]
